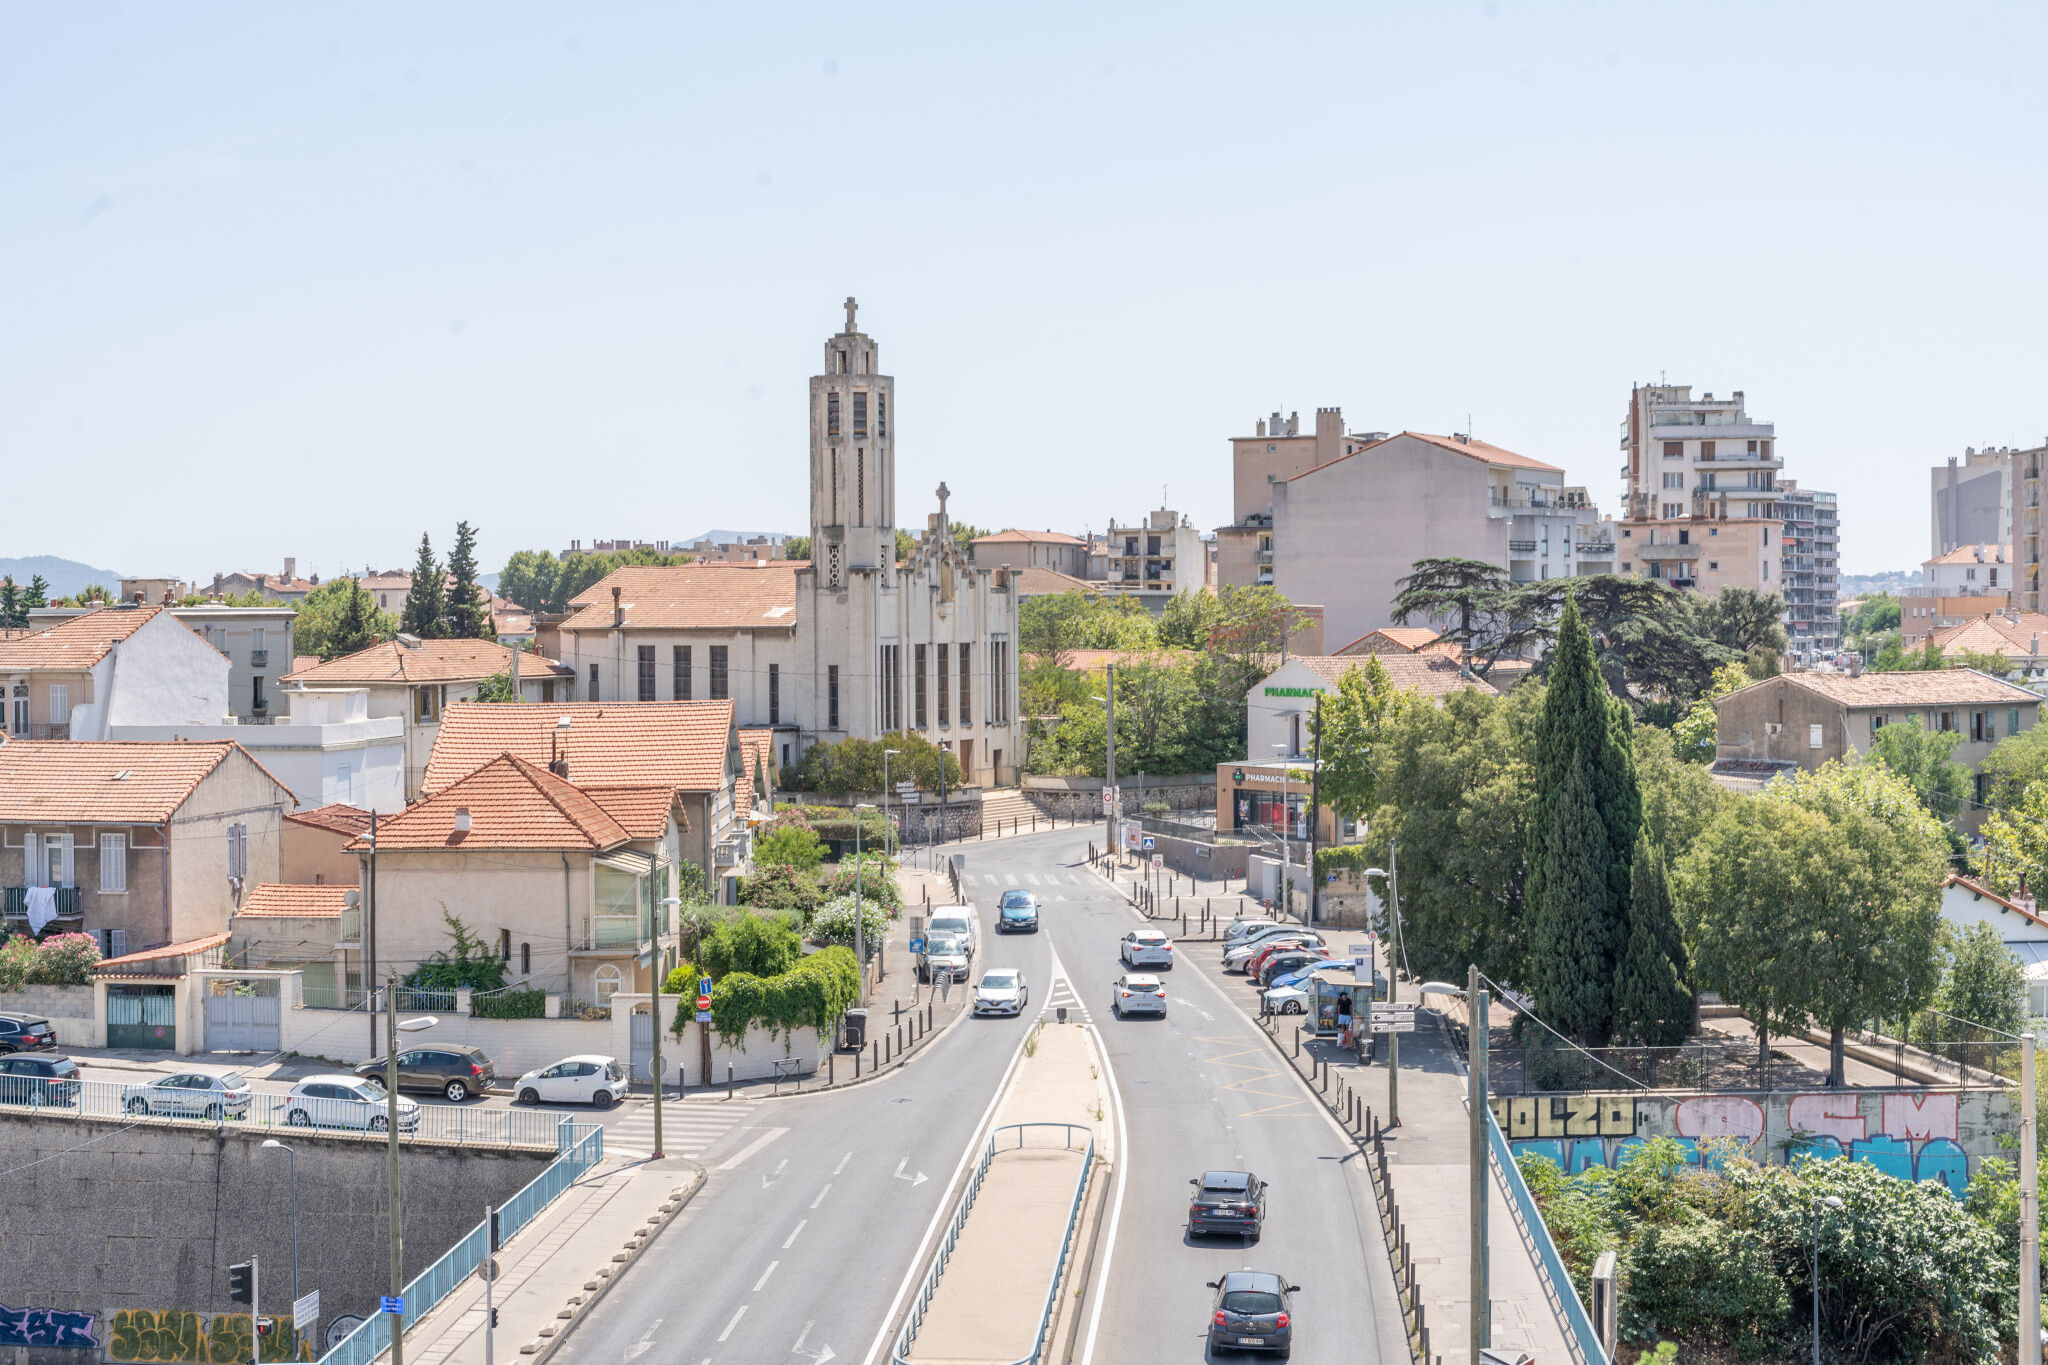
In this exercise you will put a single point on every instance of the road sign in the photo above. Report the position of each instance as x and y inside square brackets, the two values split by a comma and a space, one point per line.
[1109, 798]
[1361, 951]
[906, 788]
[917, 945]
[1329, 876]
[1389, 1024]
[703, 985]
[306, 1312]
[1158, 859]
[703, 1016]
[1148, 843]
[703, 1002]
[391, 1303]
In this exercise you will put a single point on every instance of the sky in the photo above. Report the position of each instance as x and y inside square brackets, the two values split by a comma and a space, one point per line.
[309, 281]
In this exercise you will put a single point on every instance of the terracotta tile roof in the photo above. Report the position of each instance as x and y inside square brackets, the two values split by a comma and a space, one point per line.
[2030, 912]
[700, 596]
[77, 644]
[298, 900]
[1405, 639]
[681, 744]
[2013, 636]
[1017, 537]
[1035, 582]
[429, 661]
[642, 811]
[338, 818]
[511, 804]
[1433, 675]
[1938, 687]
[304, 661]
[1973, 554]
[1471, 449]
[79, 780]
[191, 947]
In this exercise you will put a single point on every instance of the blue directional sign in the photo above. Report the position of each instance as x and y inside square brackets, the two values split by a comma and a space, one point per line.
[703, 985]
[392, 1303]
[1148, 843]
[917, 945]
[703, 1016]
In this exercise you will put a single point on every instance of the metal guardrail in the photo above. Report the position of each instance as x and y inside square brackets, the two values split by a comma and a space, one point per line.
[468, 1125]
[1580, 1337]
[581, 1147]
[900, 1355]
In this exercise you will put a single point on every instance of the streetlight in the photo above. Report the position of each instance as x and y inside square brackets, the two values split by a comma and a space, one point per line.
[393, 1026]
[273, 1145]
[860, 937]
[1834, 1203]
[1286, 828]
[886, 789]
[1393, 985]
[670, 904]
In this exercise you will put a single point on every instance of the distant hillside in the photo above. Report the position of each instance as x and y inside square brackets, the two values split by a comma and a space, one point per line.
[66, 576]
[1896, 582]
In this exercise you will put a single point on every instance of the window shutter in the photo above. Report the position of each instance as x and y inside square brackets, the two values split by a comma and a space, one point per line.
[113, 862]
[70, 862]
[118, 941]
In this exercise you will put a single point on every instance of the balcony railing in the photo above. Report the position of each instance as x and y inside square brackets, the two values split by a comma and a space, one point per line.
[259, 658]
[614, 931]
[1263, 557]
[14, 902]
[1668, 551]
[1521, 547]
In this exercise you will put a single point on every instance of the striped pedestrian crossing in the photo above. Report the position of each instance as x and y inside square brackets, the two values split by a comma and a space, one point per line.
[688, 1128]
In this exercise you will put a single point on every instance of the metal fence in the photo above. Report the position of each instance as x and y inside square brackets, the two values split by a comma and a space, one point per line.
[472, 1125]
[900, 1355]
[581, 1147]
[1580, 1337]
[1738, 1066]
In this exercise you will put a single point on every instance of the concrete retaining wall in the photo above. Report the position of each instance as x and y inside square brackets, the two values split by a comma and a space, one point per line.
[70, 1010]
[1209, 862]
[149, 1218]
[1080, 798]
[1937, 1135]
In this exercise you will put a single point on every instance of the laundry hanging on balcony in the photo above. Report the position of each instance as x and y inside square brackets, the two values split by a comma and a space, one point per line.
[41, 907]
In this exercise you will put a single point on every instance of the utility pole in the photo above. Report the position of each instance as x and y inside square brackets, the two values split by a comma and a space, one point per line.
[1482, 1307]
[1394, 985]
[1116, 810]
[2030, 1212]
[370, 938]
[391, 1143]
[255, 1310]
[654, 964]
[1315, 815]
[491, 1273]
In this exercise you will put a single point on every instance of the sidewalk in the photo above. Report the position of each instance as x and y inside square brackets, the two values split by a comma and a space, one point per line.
[558, 1264]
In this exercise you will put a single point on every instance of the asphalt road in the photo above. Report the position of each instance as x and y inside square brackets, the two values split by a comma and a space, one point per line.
[814, 1223]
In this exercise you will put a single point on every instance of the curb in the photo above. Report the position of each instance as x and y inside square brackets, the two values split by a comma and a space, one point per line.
[580, 1305]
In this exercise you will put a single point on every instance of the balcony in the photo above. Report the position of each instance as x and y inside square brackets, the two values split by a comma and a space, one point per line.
[14, 904]
[1263, 558]
[1668, 551]
[1594, 548]
[1521, 547]
[259, 658]
[615, 931]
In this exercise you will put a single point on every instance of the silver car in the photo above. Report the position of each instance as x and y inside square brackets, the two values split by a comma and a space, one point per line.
[956, 920]
[1137, 994]
[346, 1102]
[1001, 991]
[190, 1095]
[944, 959]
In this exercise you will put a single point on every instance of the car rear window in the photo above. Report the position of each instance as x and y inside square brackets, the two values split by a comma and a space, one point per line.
[1224, 1182]
[232, 1081]
[1148, 987]
[1251, 1302]
[67, 1067]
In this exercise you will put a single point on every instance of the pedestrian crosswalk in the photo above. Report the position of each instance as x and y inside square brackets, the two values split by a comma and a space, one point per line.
[688, 1127]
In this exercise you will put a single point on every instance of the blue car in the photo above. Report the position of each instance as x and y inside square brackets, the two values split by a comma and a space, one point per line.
[1017, 912]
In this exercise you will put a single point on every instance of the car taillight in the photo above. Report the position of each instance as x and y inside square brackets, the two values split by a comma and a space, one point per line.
[475, 1070]
[1167, 946]
[1219, 1317]
[1282, 1322]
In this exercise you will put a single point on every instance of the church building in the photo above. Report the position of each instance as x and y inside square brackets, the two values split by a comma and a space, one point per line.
[850, 643]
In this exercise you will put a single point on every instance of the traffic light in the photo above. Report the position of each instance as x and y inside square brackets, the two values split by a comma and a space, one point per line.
[494, 1315]
[265, 1326]
[242, 1282]
[497, 1239]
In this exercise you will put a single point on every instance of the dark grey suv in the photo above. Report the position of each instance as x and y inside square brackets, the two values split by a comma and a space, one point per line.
[1232, 1203]
[451, 1071]
[1254, 1312]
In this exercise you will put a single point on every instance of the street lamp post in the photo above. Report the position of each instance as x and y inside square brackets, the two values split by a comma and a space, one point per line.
[392, 1027]
[1831, 1202]
[1393, 981]
[292, 1157]
[1286, 831]
[860, 937]
[670, 904]
[887, 754]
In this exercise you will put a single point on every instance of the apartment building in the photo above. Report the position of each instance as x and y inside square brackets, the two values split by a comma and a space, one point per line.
[1807, 569]
[1965, 584]
[2027, 466]
[1277, 449]
[750, 550]
[1971, 499]
[1162, 555]
[1048, 549]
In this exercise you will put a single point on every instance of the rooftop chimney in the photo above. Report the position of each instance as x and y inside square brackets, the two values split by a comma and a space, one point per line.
[291, 568]
[462, 819]
[618, 608]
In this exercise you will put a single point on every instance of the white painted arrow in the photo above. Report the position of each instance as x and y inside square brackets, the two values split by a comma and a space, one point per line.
[645, 1344]
[919, 1179]
[767, 1179]
[818, 1357]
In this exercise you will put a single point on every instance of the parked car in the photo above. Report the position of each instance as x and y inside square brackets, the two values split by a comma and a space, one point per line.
[1289, 999]
[1231, 1202]
[1254, 1312]
[1138, 994]
[447, 1069]
[1257, 962]
[592, 1080]
[337, 1101]
[1146, 948]
[1018, 911]
[38, 1079]
[191, 1095]
[1281, 963]
[957, 920]
[25, 1032]
[1002, 991]
[1236, 931]
[1234, 959]
[944, 958]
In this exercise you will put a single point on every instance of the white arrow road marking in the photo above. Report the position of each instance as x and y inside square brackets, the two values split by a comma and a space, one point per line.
[732, 1163]
[646, 1343]
[823, 1353]
[767, 1179]
[1181, 1000]
[919, 1179]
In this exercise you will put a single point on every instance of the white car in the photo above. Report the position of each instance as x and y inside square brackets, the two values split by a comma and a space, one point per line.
[1001, 991]
[1287, 1000]
[957, 920]
[1137, 994]
[346, 1102]
[1235, 931]
[191, 1095]
[591, 1080]
[1147, 948]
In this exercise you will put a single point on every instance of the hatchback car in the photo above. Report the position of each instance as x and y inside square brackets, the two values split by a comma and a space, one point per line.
[191, 1095]
[1280, 964]
[449, 1070]
[25, 1033]
[1237, 930]
[1253, 1312]
[1146, 948]
[1232, 1203]
[37, 1079]
[944, 958]
[592, 1080]
[1136, 994]
[957, 920]
[1001, 991]
[1234, 959]
[1017, 912]
[346, 1102]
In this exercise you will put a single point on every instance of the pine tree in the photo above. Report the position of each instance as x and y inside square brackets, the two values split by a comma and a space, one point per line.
[38, 596]
[10, 605]
[356, 630]
[1579, 847]
[467, 615]
[1652, 1006]
[424, 604]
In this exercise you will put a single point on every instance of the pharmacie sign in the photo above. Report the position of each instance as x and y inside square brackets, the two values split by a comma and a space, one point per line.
[1294, 691]
[1239, 777]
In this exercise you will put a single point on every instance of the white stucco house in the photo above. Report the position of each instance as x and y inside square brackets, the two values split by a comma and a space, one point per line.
[2016, 920]
[329, 749]
[124, 665]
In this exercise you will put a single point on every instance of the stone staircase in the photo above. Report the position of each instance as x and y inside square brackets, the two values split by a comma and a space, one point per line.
[1005, 804]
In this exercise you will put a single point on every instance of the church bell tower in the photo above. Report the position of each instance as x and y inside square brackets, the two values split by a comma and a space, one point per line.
[853, 463]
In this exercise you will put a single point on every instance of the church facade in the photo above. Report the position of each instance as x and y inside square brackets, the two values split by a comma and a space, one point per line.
[852, 643]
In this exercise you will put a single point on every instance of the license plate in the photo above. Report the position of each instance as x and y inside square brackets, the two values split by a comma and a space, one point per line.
[1251, 1341]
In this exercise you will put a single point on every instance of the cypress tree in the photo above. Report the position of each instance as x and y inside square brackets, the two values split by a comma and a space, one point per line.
[38, 595]
[467, 615]
[1577, 889]
[425, 602]
[354, 632]
[10, 602]
[1652, 1005]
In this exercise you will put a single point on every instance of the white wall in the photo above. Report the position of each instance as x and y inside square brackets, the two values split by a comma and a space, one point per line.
[163, 674]
[1267, 719]
[309, 758]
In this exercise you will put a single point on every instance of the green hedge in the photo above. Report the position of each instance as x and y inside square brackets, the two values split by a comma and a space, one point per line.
[1343, 858]
[524, 1003]
[812, 994]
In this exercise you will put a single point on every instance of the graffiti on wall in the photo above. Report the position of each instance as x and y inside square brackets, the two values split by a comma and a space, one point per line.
[1909, 1134]
[45, 1327]
[187, 1338]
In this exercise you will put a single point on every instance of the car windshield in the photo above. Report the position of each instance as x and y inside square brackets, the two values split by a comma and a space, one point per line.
[1251, 1302]
[999, 981]
[1016, 898]
[939, 944]
[1019, 910]
[951, 924]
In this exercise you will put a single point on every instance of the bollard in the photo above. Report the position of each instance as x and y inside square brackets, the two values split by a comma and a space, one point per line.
[1297, 1040]
[899, 1038]
[877, 1062]
[728, 1080]
[1183, 924]
[856, 1064]
[831, 1068]
[927, 1014]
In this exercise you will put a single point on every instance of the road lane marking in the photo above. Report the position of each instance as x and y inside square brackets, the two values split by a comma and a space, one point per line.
[764, 1276]
[767, 1179]
[821, 1196]
[732, 1163]
[645, 1344]
[842, 1163]
[1123, 1168]
[734, 1323]
[800, 1227]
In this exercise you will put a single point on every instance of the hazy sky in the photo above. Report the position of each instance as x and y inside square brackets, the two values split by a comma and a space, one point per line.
[279, 282]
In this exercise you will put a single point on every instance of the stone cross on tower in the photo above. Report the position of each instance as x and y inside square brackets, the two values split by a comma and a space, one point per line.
[851, 308]
[944, 493]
